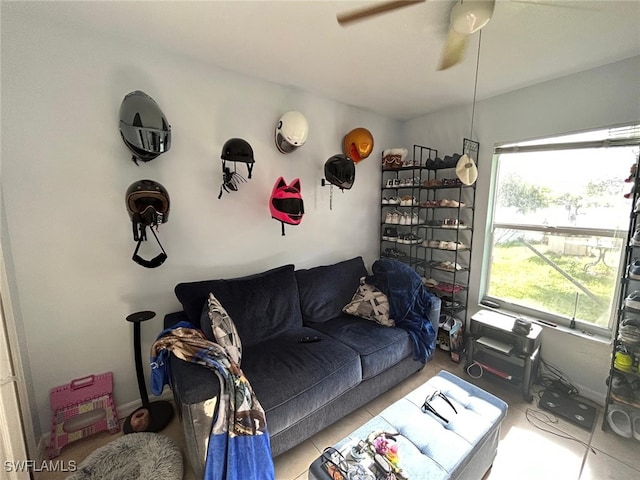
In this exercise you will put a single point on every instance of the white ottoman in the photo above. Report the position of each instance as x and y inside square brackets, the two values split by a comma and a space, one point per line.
[430, 448]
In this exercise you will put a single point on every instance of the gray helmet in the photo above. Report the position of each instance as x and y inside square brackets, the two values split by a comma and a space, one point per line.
[143, 127]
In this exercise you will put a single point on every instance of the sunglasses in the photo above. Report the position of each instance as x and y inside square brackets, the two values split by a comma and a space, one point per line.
[427, 407]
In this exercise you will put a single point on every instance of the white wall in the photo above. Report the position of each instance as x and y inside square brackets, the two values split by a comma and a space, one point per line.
[65, 171]
[600, 97]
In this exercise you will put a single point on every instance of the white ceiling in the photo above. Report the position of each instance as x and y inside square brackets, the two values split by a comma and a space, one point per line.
[385, 64]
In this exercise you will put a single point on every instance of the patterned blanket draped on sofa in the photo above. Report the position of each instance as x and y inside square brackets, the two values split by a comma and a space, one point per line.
[239, 447]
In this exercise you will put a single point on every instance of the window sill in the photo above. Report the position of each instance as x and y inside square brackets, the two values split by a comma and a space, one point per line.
[600, 337]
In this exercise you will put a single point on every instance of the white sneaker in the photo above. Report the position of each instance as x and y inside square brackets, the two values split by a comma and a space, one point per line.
[619, 421]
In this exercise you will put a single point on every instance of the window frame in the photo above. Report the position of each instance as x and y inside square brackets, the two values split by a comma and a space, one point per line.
[617, 136]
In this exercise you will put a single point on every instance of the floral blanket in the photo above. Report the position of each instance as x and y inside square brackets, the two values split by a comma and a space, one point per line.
[239, 447]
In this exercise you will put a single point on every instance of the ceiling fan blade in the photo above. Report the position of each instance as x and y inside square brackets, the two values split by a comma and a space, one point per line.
[454, 48]
[382, 7]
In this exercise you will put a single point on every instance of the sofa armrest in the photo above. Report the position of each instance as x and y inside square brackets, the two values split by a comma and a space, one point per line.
[192, 383]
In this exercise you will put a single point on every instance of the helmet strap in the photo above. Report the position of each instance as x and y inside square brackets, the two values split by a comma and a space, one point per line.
[282, 223]
[331, 197]
[250, 168]
[154, 262]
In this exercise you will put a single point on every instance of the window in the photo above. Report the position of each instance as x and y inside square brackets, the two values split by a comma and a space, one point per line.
[559, 226]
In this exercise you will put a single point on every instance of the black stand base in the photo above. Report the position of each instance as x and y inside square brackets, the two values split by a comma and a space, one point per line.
[160, 414]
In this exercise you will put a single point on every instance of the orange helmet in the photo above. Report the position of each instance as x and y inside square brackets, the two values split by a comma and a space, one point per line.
[358, 144]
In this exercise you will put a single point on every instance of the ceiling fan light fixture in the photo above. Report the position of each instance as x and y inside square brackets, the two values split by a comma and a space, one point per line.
[470, 16]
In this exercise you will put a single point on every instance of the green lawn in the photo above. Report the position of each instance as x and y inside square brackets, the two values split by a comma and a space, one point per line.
[518, 274]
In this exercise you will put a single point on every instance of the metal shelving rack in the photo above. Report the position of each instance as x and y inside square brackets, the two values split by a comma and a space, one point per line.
[627, 286]
[428, 260]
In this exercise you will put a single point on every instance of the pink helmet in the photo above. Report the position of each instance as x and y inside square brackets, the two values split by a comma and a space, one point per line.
[286, 203]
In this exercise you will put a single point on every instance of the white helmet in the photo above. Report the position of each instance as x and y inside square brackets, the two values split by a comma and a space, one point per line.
[291, 132]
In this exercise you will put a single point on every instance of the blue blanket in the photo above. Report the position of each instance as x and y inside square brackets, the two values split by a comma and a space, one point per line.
[409, 303]
[239, 447]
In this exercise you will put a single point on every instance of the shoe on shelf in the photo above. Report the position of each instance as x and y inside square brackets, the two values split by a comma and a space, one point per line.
[635, 387]
[635, 240]
[634, 269]
[623, 361]
[629, 334]
[390, 234]
[633, 300]
[412, 239]
[635, 424]
[636, 209]
[620, 386]
[429, 282]
[385, 201]
[394, 201]
[450, 223]
[619, 421]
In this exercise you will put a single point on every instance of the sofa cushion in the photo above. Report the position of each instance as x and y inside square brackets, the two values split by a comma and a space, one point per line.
[379, 347]
[262, 305]
[325, 290]
[293, 379]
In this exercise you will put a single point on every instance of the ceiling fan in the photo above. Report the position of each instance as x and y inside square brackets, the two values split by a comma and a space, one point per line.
[466, 18]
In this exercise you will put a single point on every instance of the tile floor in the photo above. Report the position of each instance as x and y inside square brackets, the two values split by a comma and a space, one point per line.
[525, 451]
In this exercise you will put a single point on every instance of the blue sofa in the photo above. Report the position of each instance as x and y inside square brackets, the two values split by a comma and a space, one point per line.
[303, 387]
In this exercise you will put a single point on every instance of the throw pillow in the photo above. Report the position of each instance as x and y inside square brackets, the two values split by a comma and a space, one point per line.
[371, 304]
[224, 330]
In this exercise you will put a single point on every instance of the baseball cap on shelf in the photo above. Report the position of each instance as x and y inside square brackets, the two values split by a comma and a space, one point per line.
[466, 170]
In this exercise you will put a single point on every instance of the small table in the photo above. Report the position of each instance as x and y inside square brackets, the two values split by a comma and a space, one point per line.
[449, 445]
[516, 365]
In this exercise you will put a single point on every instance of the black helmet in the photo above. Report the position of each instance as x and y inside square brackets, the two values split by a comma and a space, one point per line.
[235, 150]
[238, 150]
[340, 171]
[148, 206]
[143, 127]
